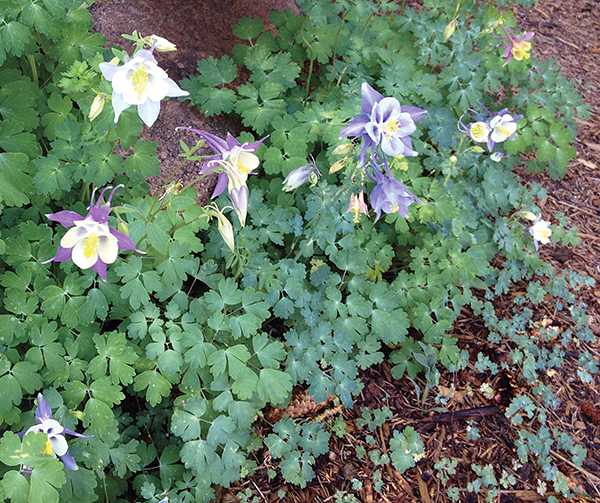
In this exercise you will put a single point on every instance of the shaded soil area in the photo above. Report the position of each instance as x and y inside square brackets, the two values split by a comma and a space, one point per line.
[566, 30]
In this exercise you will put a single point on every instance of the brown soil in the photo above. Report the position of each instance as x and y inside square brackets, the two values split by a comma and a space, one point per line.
[567, 30]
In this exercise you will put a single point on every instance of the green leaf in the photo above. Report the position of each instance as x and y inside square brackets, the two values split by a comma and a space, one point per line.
[79, 487]
[94, 307]
[125, 457]
[274, 386]
[13, 180]
[45, 481]
[11, 393]
[155, 384]
[215, 72]
[14, 37]
[143, 163]
[270, 355]
[220, 430]
[51, 176]
[15, 487]
[98, 417]
[28, 451]
[248, 28]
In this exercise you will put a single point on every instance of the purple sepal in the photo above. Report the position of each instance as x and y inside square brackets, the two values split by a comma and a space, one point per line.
[222, 182]
[62, 254]
[43, 412]
[124, 241]
[369, 97]
[65, 218]
[75, 434]
[356, 127]
[100, 268]
[68, 461]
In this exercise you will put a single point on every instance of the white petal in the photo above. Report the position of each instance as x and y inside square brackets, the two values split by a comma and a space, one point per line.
[149, 111]
[73, 236]
[79, 257]
[59, 444]
[157, 88]
[51, 426]
[108, 248]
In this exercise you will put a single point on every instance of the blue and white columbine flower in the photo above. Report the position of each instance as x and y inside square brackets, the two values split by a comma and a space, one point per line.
[384, 122]
[91, 242]
[140, 82]
[57, 443]
[233, 161]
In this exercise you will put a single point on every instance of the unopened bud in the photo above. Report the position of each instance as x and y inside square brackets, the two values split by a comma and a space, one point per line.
[226, 231]
[449, 30]
[162, 44]
[497, 156]
[336, 166]
[453, 159]
[97, 106]
[343, 149]
[115, 61]
[529, 216]
[122, 227]
[477, 149]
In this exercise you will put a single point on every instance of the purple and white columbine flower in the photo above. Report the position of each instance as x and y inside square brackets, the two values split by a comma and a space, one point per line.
[516, 47]
[493, 128]
[140, 82]
[389, 194]
[91, 242]
[57, 443]
[540, 231]
[384, 122]
[233, 161]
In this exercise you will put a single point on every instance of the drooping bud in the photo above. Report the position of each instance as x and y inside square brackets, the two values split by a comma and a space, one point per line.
[299, 177]
[162, 44]
[336, 166]
[343, 149]
[449, 30]
[97, 106]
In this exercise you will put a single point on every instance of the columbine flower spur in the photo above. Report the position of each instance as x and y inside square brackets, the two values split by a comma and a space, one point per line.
[233, 161]
[57, 443]
[140, 82]
[91, 242]
[384, 122]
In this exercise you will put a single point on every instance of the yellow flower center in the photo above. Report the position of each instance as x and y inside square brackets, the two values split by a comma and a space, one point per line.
[478, 131]
[390, 128]
[543, 234]
[140, 80]
[395, 207]
[48, 450]
[521, 50]
[503, 131]
[91, 243]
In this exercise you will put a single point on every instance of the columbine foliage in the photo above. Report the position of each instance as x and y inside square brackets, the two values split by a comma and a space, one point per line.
[168, 363]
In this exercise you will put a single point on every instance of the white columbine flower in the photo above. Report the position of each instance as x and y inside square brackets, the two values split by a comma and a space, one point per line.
[479, 131]
[140, 82]
[503, 128]
[541, 232]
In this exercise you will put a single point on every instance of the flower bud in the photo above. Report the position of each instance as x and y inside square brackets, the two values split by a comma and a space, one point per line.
[336, 166]
[122, 227]
[298, 177]
[497, 156]
[343, 149]
[449, 30]
[477, 149]
[97, 106]
[453, 159]
[162, 44]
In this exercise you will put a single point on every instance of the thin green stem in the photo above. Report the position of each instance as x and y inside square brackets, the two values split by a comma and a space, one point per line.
[335, 49]
[312, 59]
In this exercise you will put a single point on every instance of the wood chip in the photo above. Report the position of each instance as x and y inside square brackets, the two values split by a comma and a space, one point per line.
[595, 50]
[593, 146]
[423, 489]
[587, 164]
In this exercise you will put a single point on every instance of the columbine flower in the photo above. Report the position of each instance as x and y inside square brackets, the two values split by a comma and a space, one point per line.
[91, 243]
[357, 206]
[516, 47]
[540, 231]
[234, 162]
[384, 122]
[390, 195]
[493, 128]
[57, 443]
[140, 82]
[299, 177]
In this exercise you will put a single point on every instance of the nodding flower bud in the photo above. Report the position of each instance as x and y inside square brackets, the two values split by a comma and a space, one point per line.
[343, 149]
[225, 228]
[336, 166]
[299, 177]
[160, 44]
[97, 106]
[449, 30]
